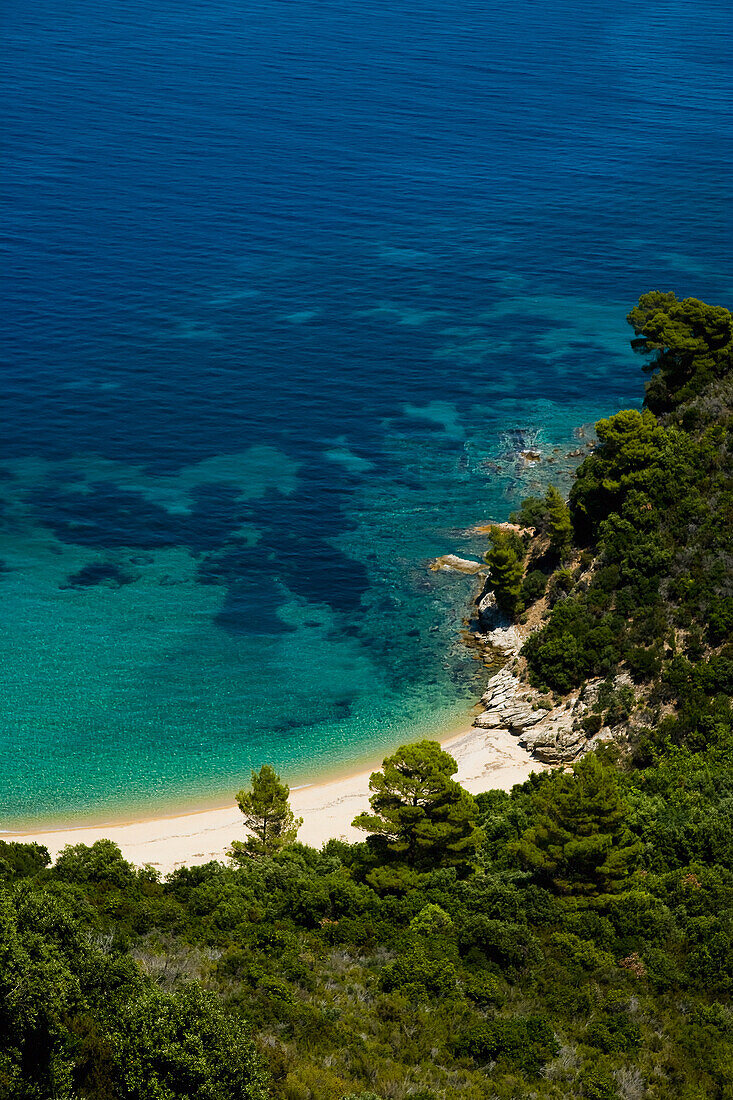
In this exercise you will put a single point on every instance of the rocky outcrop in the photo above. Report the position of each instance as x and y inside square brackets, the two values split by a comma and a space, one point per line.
[494, 629]
[515, 528]
[451, 563]
[488, 614]
[553, 735]
[508, 705]
[557, 743]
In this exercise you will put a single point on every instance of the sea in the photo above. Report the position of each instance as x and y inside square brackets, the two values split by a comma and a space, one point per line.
[289, 286]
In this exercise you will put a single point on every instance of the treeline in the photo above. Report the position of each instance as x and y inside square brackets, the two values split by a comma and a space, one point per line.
[577, 941]
[571, 938]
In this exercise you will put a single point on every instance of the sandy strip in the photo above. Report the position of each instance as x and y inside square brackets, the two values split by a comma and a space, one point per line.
[486, 759]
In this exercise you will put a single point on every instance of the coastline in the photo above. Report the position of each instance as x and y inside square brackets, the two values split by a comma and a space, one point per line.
[487, 759]
[360, 758]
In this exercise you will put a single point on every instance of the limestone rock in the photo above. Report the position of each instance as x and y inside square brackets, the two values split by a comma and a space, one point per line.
[527, 719]
[508, 640]
[489, 720]
[511, 705]
[489, 616]
[486, 528]
[451, 563]
[556, 744]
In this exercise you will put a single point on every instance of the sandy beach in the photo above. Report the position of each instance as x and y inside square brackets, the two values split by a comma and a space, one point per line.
[486, 759]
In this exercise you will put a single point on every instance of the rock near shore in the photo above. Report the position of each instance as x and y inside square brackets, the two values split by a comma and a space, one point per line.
[553, 735]
[451, 563]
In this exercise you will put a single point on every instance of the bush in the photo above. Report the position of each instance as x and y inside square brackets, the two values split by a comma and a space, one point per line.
[23, 860]
[592, 723]
[560, 585]
[505, 560]
[527, 1043]
[484, 989]
[419, 977]
[100, 862]
[555, 660]
[597, 1083]
[720, 620]
[505, 943]
[533, 587]
[615, 1028]
[532, 512]
[578, 954]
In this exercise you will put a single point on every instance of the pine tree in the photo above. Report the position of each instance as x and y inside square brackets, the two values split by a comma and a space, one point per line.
[267, 815]
[580, 841]
[559, 522]
[506, 570]
[690, 344]
[422, 818]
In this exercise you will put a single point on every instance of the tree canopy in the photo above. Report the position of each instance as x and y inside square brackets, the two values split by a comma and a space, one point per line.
[651, 506]
[77, 1022]
[267, 815]
[422, 818]
[691, 344]
[559, 523]
[506, 570]
[580, 840]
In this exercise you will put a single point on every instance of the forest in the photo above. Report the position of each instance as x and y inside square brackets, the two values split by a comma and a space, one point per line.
[570, 938]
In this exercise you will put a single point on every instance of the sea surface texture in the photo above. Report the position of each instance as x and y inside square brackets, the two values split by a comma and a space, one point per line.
[288, 288]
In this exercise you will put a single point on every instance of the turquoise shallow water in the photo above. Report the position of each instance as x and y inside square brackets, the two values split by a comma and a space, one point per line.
[130, 684]
[290, 287]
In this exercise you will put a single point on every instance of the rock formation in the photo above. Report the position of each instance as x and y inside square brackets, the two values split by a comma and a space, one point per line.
[451, 563]
[552, 734]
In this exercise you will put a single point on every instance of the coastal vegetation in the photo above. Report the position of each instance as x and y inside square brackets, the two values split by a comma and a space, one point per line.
[421, 818]
[267, 816]
[570, 938]
[506, 569]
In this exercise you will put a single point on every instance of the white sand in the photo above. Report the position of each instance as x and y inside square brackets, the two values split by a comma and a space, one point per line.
[486, 759]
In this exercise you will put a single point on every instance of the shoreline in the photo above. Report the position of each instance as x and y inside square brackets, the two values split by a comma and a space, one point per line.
[368, 759]
[487, 759]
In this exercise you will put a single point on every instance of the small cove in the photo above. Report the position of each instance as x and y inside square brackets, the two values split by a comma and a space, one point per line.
[289, 290]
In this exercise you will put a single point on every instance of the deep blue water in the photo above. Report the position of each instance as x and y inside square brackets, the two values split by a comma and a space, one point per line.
[288, 286]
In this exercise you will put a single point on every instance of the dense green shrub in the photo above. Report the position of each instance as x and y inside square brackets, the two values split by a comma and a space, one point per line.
[505, 559]
[22, 859]
[525, 1042]
[533, 586]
